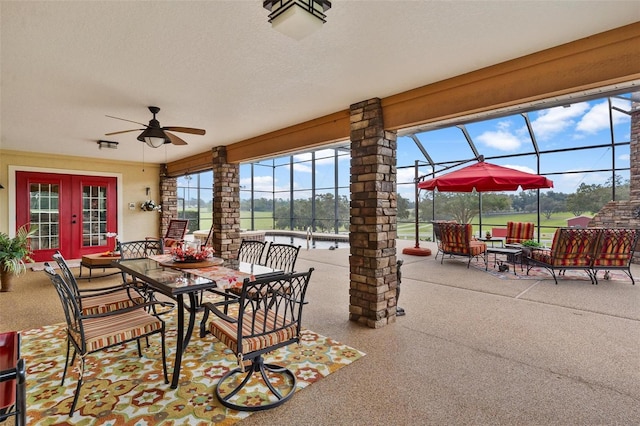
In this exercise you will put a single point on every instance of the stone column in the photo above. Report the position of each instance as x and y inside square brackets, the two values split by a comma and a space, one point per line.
[226, 205]
[372, 235]
[634, 148]
[168, 200]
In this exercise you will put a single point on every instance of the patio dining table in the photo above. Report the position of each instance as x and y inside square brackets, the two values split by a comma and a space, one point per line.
[177, 282]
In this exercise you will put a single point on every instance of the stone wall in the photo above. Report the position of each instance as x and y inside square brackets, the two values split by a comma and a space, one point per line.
[373, 278]
[626, 214]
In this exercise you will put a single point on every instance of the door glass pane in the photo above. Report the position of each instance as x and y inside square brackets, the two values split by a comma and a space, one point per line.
[44, 202]
[94, 216]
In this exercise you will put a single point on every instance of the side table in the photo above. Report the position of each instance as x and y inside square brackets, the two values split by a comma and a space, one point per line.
[97, 261]
[493, 241]
[514, 255]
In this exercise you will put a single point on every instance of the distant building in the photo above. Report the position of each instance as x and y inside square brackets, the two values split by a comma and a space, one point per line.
[579, 222]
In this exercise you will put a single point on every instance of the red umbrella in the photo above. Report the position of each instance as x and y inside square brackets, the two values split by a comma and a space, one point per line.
[484, 177]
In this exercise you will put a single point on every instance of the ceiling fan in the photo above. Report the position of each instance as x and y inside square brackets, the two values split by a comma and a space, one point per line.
[155, 135]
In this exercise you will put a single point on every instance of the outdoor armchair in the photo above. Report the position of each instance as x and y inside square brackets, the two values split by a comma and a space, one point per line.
[517, 232]
[266, 316]
[457, 240]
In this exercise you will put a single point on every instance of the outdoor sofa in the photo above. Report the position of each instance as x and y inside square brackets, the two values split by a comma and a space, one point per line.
[588, 249]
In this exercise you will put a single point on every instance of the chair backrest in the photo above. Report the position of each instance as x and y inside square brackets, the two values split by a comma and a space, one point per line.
[72, 311]
[68, 276]
[437, 232]
[139, 249]
[615, 247]
[177, 229]
[282, 257]
[518, 232]
[456, 237]
[271, 305]
[251, 251]
[574, 246]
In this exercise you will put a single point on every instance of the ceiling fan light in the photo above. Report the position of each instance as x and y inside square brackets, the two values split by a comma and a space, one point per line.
[153, 137]
[297, 18]
[154, 142]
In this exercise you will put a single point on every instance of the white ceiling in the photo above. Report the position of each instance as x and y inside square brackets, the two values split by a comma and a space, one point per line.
[219, 66]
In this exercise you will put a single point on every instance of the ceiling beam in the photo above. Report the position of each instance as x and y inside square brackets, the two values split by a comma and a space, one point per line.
[603, 59]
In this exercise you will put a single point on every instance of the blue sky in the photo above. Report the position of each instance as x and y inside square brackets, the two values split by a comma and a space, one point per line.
[580, 124]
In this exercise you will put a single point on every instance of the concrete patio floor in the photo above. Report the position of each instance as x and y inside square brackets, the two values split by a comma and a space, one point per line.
[474, 349]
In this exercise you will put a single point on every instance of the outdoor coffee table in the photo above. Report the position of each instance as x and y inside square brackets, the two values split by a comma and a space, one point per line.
[98, 261]
[513, 256]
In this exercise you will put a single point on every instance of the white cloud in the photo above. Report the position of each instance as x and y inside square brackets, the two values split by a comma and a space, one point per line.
[500, 139]
[555, 120]
[624, 157]
[598, 117]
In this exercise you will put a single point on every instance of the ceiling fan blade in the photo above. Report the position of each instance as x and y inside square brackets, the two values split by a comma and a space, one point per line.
[174, 139]
[130, 121]
[123, 131]
[185, 130]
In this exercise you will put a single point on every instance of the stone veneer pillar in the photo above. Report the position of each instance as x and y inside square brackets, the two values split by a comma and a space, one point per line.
[626, 214]
[168, 199]
[372, 233]
[226, 205]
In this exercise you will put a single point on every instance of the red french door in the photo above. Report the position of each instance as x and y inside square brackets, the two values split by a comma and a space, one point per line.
[73, 213]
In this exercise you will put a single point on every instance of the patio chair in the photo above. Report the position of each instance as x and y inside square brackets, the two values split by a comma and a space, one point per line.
[93, 333]
[517, 232]
[175, 233]
[13, 389]
[263, 324]
[282, 257]
[457, 240]
[437, 233]
[251, 251]
[104, 299]
[141, 249]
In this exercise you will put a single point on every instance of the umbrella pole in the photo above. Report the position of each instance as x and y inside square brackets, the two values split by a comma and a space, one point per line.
[416, 250]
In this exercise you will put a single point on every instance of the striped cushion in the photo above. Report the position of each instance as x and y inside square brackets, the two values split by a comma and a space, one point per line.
[456, 238]
[615, 247]
[103, 332]
[227, 332]
[102, 303]
[518, 232]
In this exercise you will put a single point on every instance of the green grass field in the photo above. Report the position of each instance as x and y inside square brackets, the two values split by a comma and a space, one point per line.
[548, 226]
[264, 221]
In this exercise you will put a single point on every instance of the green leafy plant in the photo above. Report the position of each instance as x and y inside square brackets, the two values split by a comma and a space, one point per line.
[531, 243]
[14, 252]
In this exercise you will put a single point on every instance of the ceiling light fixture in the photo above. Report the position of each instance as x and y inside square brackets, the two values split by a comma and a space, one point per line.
[154, 137]
[297, 18]
[107, 144]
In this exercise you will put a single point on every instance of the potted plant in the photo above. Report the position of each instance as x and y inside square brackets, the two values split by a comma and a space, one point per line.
[14, 252]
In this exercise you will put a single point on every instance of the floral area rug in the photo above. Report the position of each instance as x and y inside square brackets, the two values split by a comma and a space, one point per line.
[121, 388]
